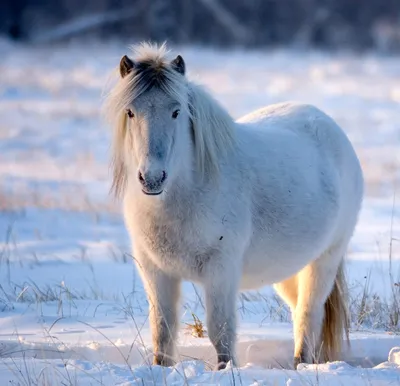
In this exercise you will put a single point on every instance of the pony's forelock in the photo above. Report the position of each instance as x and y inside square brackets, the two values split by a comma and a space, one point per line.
[211, 125]
[158, 72]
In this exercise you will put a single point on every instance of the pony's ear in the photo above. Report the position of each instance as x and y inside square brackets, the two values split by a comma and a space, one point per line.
[178, 64]
[125, 66]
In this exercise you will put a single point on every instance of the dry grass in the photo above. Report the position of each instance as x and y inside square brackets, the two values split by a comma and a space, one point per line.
[196, 328]
[71, 199]
[368, 310]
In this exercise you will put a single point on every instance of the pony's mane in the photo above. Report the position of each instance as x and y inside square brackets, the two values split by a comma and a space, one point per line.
[212, 126]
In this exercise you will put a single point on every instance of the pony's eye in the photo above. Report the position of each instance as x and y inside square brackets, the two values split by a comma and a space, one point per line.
[175, 114]
[130, 114]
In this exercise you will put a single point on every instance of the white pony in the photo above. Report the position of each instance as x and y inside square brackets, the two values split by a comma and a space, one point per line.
[272, 198]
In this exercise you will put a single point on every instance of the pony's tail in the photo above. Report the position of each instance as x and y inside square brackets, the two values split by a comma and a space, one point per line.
[336, 319]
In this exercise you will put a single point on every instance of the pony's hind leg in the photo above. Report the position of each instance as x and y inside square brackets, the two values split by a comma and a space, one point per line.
[319, 315]
[288, 291]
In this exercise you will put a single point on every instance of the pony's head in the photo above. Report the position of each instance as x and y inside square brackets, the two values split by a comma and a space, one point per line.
[159, 119]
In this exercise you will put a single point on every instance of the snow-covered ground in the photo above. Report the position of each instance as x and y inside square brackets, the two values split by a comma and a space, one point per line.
[72, 308]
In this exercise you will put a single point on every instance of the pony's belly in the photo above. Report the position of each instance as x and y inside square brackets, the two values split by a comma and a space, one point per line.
[266, 267]
[274, 257]
[256, 277]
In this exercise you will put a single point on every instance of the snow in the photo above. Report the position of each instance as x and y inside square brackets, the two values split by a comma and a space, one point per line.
[72, 307]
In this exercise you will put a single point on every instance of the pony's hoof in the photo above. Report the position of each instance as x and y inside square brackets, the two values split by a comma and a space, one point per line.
[161, 360]
[297, 361]
[221, 366]
[224, 363]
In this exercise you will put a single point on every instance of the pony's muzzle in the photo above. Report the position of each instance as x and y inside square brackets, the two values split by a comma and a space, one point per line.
[152, 182]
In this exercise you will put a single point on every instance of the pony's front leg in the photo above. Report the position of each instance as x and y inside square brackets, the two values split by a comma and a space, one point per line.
[221, 289]
[163, 292]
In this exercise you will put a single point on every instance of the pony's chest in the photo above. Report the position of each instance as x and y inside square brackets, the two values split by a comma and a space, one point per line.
[168, 240]
[176, 247]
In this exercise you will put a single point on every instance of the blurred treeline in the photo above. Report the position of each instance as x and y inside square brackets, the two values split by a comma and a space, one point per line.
[356, 24]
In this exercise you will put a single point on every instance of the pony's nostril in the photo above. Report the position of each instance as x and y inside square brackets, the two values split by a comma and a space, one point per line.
[140, 176]
[152, 181]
